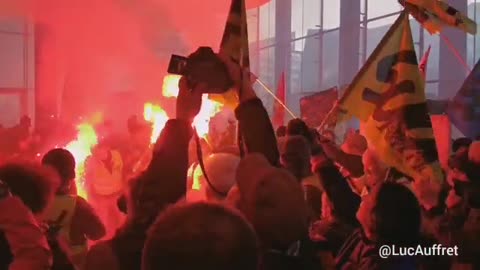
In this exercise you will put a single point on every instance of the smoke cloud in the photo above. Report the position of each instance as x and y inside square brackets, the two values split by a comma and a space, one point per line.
[111, 55]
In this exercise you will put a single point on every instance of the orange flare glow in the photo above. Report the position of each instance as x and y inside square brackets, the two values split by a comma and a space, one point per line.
[170, 85]
[209, 109]
[157, 116]
[81, 149]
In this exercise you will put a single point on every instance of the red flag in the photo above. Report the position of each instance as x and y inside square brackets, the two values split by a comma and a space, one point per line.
[424, 62]
[278, 109]
[256, 3]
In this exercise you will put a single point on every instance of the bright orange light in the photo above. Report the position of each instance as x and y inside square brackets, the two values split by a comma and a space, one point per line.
[170, 85]
[81, 149]
[157, 116]
[209, 109]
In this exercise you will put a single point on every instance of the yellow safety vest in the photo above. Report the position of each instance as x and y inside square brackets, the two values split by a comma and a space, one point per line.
[104, 181]
[59, 215]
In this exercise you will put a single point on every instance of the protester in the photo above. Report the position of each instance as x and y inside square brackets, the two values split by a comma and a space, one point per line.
[389, 215]
[295, 157]
[200, 236]
[273, 201]
[69, 215]
[220, 169]
[105, 184]
[299, 127]
[163, 183]
[22, 242]
[281, 131]
[461, 145]
[349, 156]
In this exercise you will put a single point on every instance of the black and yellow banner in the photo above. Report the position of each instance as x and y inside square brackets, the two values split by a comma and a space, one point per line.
[435, 14]
[388, 96]
[235, 44]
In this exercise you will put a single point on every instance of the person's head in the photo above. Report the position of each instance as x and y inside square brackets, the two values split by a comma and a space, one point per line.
[342, 201]
[63, 162]
[34, 184]
[354, 144]
[295, 156]
[281, 131]
[461, 144]
[220, 169]
[299, 127]
[390, 215]
[201, 236]
[273, 201]
[375, 170]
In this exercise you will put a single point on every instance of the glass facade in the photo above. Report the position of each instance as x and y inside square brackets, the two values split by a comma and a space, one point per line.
[315, 51]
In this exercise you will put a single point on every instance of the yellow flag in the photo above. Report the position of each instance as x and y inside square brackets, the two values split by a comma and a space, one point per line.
[388, 96]
[235, 44]
[437, 12]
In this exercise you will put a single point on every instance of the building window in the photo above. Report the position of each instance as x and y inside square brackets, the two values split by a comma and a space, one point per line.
[473, 42]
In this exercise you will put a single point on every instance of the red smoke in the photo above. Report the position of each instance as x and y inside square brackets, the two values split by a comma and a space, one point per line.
[88, 51]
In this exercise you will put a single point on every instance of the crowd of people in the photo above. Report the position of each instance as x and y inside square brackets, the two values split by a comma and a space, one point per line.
[293, 200]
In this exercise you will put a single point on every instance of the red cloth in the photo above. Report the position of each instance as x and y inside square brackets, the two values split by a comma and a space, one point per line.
[424, 62]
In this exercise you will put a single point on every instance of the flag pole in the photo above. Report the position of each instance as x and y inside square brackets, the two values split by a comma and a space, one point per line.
[265, 87]
[455, 52]
[329, 114]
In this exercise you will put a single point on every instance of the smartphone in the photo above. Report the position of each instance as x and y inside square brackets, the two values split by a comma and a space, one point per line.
[177, 65]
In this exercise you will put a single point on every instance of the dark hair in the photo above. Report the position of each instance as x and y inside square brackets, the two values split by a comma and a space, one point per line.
[461, 142]
[200, 236]
[299, 127]
[344, 201]
[33, 184]
[63, 162]
[281, 131]
[396, 214]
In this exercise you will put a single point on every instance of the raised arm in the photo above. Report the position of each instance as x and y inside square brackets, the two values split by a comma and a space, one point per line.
[168, 168]
[254, 122]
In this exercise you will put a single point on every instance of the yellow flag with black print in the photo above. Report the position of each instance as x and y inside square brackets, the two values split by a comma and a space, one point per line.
[434, 14]
[235, 44]
[388, 96]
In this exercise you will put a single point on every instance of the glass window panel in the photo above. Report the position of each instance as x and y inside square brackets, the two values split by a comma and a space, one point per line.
[15, 25]
[297, 18]
[431, 90]
[311, 64]
[296, 75]
[266, 75]
[331, 14]
[12, 61]
[330, 60]
[433, 60]
[378, 8]
[376, 31]
[473, 42]
[311, 15]
[267, 20]
[10, 109]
